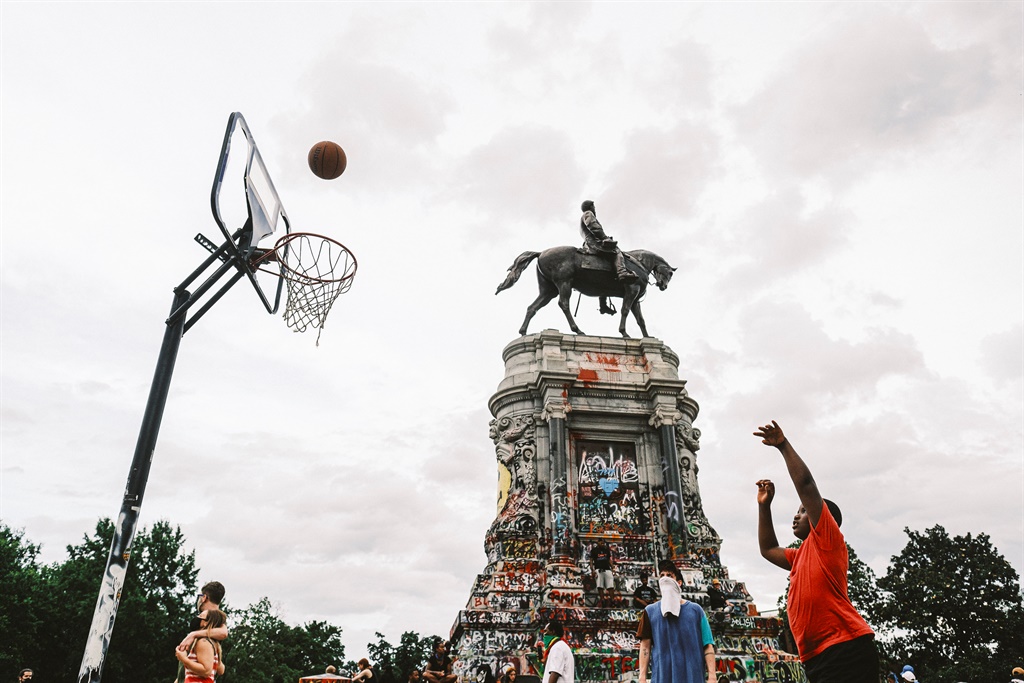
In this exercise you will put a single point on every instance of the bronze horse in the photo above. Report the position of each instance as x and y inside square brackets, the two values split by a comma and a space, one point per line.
[561, 270]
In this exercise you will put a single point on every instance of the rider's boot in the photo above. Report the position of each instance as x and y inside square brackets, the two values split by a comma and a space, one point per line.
[622, 273]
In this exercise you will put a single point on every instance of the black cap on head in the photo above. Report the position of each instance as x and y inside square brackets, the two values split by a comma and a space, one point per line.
[555, 628]
[670, 566]
[587, 205]
[837, 514]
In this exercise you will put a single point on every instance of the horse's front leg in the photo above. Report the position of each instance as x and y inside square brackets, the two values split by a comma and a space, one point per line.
[630, 297]
[564, 294]
[639, 315]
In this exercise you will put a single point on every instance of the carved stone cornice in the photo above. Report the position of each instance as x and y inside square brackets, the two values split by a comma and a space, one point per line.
[663, 415]
[555, 409]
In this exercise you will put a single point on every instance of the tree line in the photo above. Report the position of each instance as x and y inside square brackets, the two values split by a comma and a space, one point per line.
[951, 606]
[46, 611]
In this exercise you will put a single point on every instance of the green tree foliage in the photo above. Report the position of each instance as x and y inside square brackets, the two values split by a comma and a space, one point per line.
[394, 663]
[862, 586]
[952, 606]
[20, 617]
[262, 647]
[151, 618]
[46, 611]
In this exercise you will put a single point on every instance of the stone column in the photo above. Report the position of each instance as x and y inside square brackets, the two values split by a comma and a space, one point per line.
[664, 420]
[561, 513]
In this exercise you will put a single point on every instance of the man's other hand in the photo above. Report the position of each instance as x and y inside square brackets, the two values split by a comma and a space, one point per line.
[765, 492]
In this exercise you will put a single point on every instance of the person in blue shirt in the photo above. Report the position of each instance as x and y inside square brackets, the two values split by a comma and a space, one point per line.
[674, 634]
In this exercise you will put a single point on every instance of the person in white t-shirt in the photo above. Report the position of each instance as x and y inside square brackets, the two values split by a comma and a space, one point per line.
[559, 665]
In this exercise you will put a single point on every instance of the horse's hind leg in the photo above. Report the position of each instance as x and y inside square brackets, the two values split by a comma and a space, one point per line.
[564, 294]
[547, 293]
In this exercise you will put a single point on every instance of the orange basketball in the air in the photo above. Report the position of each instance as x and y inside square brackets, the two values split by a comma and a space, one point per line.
[327, 160]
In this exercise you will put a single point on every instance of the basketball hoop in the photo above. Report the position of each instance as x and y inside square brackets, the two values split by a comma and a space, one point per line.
[316, 269]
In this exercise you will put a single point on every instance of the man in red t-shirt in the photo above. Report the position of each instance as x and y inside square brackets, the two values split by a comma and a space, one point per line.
[836, 645]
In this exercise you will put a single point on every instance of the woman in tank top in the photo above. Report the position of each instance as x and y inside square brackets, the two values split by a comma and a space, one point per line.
[202, 662]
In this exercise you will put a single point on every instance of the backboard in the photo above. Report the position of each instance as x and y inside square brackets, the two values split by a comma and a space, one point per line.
[252, 215]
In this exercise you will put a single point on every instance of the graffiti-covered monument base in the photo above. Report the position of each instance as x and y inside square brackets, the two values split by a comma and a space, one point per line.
[594, 440]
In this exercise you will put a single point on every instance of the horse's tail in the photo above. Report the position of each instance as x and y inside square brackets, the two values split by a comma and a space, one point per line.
[517, 268]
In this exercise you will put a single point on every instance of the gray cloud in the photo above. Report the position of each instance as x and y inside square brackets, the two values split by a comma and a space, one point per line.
[873, 86]
[1003, 354]
[386, 118]
[523, 174]
[662, 172]
[778, 238]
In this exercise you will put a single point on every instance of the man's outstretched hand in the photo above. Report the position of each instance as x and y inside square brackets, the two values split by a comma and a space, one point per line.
[765, 492]
[771, 435]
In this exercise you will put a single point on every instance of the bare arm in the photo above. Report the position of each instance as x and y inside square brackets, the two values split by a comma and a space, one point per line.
[806, 488]
[767, 541]
[219, 633]
[645, 658]
[709, 662]
[203, 666]
[553, 677]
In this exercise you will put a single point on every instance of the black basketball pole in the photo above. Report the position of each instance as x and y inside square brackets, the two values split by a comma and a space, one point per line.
[127, 521]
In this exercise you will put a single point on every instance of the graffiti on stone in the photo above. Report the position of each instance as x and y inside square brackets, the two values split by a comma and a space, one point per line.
[698, 528]
[561, 520]
[568, 577]
[519, 583]
[515, 548]
[495, 618]
[607, 640]
[515, 449]
[494, 641]
[611, 486]
[501, 601]
[604, 667]
[624, 550]
[565, 597]
[608, 485]
[742, 669]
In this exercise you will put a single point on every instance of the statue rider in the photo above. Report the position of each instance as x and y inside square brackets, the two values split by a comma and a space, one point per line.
[596, 242]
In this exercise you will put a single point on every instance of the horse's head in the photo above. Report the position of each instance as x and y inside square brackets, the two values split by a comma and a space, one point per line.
[663, 275]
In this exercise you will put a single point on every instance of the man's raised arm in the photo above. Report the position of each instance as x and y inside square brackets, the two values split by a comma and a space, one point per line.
[771, 435]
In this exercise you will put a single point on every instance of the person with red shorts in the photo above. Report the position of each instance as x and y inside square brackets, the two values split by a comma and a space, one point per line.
[835, 644]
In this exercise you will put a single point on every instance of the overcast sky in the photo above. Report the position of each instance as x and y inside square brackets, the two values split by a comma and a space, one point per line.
[838, 184]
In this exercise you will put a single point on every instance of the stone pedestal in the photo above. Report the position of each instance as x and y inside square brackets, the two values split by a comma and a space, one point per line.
[594, 440]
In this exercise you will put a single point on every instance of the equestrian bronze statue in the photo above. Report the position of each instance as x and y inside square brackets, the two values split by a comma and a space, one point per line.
[563, 269]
